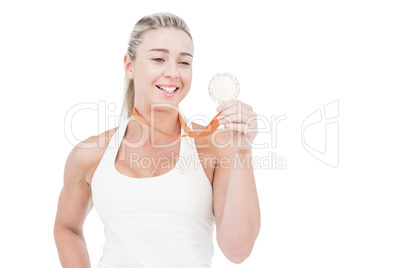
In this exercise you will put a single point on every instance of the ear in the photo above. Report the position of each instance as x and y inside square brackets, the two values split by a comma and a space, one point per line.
[128, 67]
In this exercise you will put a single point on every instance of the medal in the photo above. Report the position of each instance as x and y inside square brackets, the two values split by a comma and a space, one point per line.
[224, 87]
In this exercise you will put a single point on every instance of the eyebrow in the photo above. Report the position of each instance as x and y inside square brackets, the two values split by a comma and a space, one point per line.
[167, 51]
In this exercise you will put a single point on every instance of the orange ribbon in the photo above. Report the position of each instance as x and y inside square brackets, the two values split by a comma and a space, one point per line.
[208, 130]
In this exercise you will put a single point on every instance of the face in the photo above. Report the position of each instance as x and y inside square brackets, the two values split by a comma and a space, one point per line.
[162, 69]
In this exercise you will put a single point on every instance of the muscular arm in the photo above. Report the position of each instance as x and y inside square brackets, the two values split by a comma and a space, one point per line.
[75, 202]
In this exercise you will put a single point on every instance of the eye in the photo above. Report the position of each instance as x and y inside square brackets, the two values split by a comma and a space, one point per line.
[158, 59]
[184, 62]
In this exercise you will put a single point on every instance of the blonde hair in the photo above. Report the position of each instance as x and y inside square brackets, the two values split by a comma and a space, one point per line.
[151, 22]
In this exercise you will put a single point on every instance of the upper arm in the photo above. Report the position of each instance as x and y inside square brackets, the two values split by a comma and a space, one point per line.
[75, 201]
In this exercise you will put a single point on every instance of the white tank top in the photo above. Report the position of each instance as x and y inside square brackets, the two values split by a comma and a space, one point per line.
[163, 221]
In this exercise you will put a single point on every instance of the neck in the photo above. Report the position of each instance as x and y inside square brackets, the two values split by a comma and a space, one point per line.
[161, 118]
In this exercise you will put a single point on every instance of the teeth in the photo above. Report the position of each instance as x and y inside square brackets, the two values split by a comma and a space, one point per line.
[168, 89]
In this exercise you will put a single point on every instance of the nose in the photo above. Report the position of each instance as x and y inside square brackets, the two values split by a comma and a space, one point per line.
[171, 70]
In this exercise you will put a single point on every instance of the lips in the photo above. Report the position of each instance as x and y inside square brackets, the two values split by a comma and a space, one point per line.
[169, 89]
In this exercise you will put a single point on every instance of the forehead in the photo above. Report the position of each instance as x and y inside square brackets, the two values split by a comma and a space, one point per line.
[173, 39]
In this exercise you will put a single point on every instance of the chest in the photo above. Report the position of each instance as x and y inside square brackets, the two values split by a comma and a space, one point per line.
[146, 162]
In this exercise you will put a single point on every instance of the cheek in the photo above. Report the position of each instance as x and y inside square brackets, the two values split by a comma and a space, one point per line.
[187, 77]
[149, 74]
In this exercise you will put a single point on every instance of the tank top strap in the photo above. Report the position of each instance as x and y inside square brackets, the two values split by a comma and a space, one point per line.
[112, 148]
[115, 143]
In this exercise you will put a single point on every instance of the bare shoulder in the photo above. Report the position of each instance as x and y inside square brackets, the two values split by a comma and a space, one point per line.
[84, 158]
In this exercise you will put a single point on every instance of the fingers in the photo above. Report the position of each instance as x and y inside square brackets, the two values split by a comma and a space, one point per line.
[232, 105]
[235, 112]
[233, 118]
[246, 133]
[240, 119]
[238, 127]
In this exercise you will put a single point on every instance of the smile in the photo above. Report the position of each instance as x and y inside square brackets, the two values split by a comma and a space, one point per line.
[168, 89]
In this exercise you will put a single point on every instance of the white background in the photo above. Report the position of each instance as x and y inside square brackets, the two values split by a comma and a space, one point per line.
[290, 57]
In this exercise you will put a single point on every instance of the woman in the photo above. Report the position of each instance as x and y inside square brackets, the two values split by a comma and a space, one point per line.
[157, 215]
